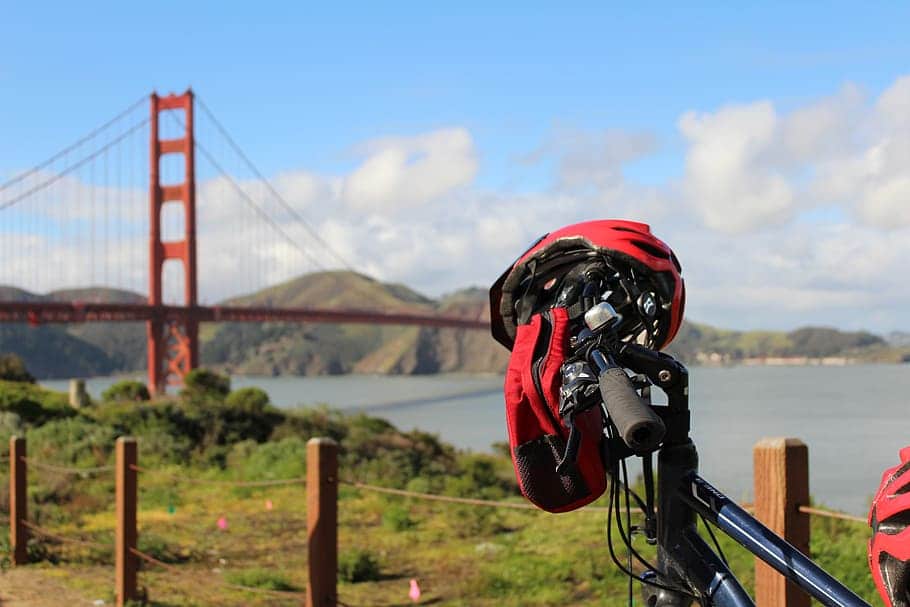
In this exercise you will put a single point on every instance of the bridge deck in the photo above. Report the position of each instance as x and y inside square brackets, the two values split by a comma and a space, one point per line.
[37, 313]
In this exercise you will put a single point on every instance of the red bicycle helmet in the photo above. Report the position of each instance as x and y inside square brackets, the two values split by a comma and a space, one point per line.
[650, 293]
[889, 548]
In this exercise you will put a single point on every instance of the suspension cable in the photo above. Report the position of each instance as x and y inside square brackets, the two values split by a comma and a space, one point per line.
[250, 201]
[73, 146]
[55, 178]
[259, 211]
[338, 257]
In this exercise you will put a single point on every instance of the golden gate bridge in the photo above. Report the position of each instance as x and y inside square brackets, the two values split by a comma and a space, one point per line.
[124, 197]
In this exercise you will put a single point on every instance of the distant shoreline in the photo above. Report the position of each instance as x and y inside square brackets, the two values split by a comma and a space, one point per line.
[716, 360]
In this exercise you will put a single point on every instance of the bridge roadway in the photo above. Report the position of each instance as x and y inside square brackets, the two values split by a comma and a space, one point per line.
[37, 313]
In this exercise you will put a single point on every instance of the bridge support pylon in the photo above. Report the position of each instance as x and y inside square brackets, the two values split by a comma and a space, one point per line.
[173, 341]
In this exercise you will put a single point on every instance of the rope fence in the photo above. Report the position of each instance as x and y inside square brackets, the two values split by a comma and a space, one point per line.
[821, 512]
[780, 469]
[223, 482]
[66, 540]
[469, 501]
[76, 471]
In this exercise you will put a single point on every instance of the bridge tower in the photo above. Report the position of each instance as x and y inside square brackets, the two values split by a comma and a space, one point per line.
[173, 333]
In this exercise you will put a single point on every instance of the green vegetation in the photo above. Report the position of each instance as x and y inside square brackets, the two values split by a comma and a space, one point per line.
[261, 578]
[13, 369]
[126, 390]
[461, 555]
[358, 566]
[697, 343]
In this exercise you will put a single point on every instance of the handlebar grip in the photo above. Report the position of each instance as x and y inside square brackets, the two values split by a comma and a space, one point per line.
[638, 424]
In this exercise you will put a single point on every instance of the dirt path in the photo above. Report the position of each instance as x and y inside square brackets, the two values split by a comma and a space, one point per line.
[34, 587]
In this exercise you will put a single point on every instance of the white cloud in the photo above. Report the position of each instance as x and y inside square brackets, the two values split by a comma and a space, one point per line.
[592, 161]
[749, 167]
[404, 172]
[893, 106]
[887, 204]
[729, 180]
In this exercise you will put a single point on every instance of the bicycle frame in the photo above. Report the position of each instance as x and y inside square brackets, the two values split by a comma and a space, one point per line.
[683, 557]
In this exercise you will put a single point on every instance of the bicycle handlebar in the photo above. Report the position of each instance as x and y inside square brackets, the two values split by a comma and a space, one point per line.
[638, 425]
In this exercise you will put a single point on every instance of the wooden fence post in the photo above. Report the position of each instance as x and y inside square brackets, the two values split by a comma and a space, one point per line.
[322, 522]
[781, 476]
[18, 501]
[126, 561]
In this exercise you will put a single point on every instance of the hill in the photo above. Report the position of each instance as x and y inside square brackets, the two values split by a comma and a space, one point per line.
[698, 343]
[286, 348]
[279, 348]
[80, 350]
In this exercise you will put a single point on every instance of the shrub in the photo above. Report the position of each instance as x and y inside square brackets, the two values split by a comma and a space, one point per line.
[77, 440]
[358, 566]
[33, 404]
[309, 423]
[205, 384]
[397, 518]
[222, 425]
[10, 425]
[13, 369]
[126, 390]
[272, 460]
[478, 475]
[380, 453]
[248, 400]
[164, 428]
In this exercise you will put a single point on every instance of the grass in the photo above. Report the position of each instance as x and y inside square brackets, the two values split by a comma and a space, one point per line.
[260, 577]
[510, 559]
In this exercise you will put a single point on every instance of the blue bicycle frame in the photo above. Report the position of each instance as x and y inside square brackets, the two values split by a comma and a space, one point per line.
[685, 560]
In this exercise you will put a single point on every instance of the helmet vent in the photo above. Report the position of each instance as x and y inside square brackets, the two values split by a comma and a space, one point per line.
[899, 472]
[650, 249]
[895, 524]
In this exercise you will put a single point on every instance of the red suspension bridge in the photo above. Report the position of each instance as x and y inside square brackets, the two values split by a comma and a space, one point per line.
[79, 219]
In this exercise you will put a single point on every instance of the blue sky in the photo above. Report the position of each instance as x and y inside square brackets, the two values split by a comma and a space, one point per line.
[299, 83]
[303, 87]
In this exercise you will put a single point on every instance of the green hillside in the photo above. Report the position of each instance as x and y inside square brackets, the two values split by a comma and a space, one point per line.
[698, 343]
[52, 352]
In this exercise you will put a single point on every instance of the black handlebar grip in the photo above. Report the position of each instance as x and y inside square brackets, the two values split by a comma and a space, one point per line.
[638, 424]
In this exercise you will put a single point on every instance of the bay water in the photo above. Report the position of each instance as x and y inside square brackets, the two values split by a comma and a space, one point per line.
[853, 418]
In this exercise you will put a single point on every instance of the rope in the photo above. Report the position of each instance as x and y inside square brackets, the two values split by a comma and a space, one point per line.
[73, 167]
[67, 540]
[66, 470]
[150, 559]
[227, 483]
[832, 514]
[73, 146]
[313, 233]
[470, 501]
